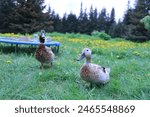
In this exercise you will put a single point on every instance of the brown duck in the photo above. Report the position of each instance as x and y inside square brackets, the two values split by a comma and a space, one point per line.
[93, 73]
[43, 53]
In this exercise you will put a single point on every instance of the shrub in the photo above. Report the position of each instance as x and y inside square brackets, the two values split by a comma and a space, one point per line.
[146, 21]
[101, 35]
[137, 38]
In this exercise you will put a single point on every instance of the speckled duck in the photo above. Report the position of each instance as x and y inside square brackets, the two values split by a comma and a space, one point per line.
[93, 73]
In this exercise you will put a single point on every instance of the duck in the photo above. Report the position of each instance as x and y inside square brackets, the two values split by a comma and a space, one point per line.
[43, 53]
[93, 73]
[42, 36]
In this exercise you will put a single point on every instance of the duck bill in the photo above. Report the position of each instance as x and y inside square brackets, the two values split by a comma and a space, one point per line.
[81, 57]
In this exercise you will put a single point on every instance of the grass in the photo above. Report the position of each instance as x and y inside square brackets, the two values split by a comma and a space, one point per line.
[21, 77]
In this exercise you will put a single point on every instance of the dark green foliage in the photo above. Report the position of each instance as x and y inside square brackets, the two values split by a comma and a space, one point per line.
[6, 7]
[135, 30]
[102, 18]
[117, 30]
[146, 21]
[101, 35]
[72, 23]
[112, 23]
[64, 23]
[93, 21]
[55, 18]
[83, 22]
[137, 38]
[24, 16]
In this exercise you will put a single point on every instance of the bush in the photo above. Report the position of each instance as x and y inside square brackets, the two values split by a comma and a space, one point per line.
[137, 38]
[101, 35]
[146, 21]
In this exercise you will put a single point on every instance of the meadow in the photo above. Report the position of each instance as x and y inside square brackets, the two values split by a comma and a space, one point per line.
[22, 79]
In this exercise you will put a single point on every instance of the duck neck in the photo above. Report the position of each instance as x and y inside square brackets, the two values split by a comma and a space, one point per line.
[88, 60]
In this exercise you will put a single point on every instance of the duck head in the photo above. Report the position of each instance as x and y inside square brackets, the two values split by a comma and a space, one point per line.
[86, 53]
[42, 36]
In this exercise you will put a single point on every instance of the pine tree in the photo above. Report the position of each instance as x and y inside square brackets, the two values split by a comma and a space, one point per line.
[112, 17]
[118, 29]
[112, 23]
[83, 22]
[72, 23]
[83, 26]
[102, 20]
[80, 18]
[47, 23]
[64, 23]
[135, 30]
[27, 17]
[93, 19]
[57, 23]
[6, 8]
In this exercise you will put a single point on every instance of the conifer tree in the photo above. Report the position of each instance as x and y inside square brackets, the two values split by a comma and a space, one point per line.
[72, 23]
[112, 23]
[102, 20]
[6, 8]
[135, 30]
[26, 16]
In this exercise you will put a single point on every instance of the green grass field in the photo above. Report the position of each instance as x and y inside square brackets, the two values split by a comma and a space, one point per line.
[21, 77]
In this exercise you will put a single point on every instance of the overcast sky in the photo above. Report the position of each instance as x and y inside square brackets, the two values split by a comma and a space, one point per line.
[67, 6]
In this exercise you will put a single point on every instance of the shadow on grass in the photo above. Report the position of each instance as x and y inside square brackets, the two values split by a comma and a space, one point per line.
[8, 48]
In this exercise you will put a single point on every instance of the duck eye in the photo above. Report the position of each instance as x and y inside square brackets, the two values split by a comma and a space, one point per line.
[87, 50]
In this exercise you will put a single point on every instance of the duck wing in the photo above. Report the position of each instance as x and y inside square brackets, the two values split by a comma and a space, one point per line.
[90, 72]
[42, 55]
[52, 55]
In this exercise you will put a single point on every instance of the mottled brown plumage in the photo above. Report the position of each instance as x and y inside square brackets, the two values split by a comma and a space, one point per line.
[44, 55]
[91, 72]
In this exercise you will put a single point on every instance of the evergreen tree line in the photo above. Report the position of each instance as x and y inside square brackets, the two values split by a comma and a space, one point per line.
[23, 16]
[85, 23]
[27, 16]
